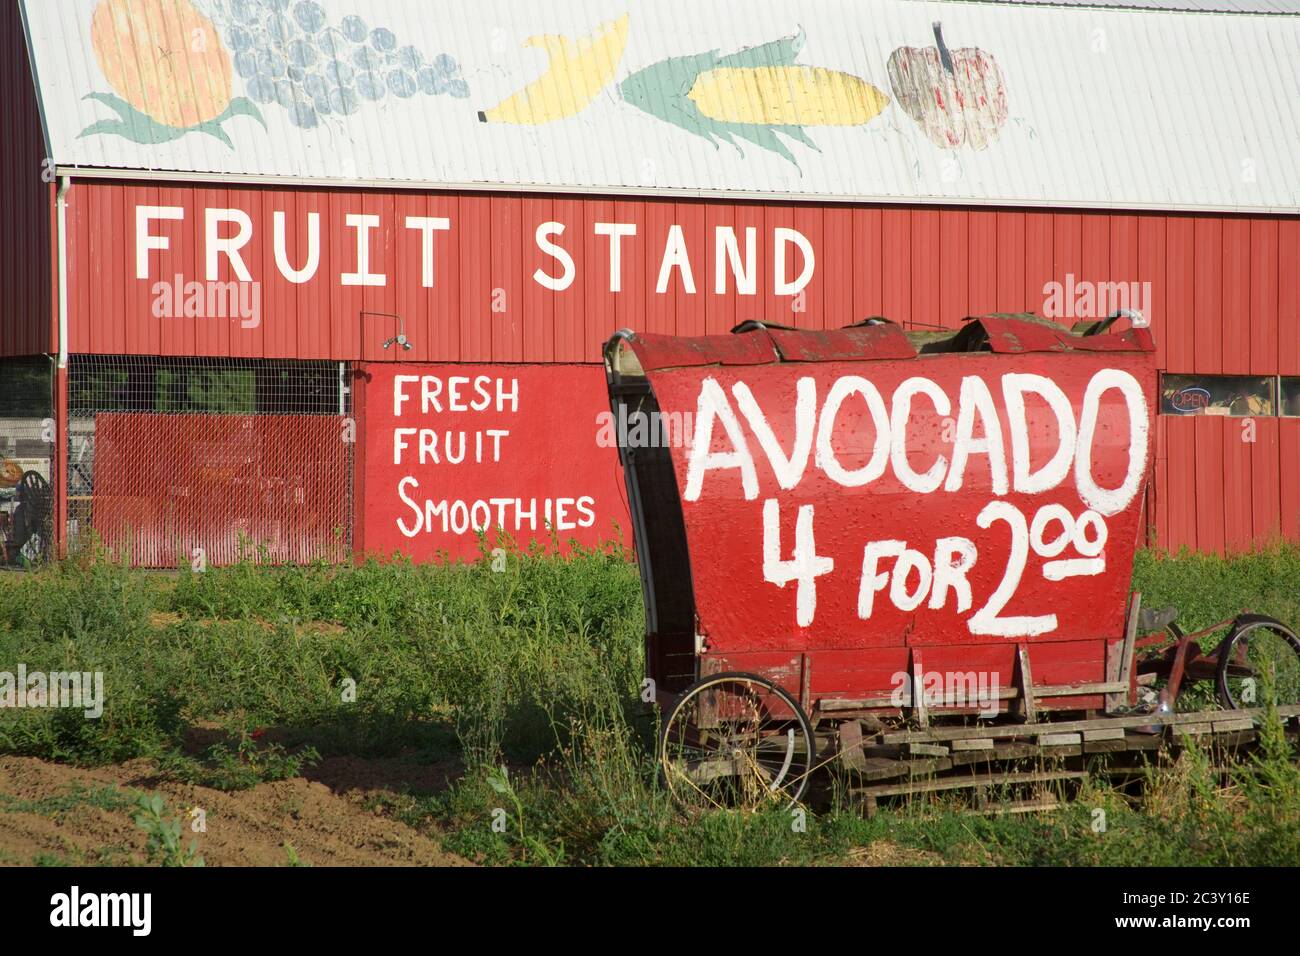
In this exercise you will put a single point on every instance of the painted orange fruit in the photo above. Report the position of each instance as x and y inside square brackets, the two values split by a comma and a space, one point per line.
[10, 474]
[164, 58]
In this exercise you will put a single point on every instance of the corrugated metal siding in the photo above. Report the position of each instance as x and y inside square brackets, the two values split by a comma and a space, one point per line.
[1227, 484]
[1217, 492]
[1105, 108]
[166, 485]
[25, 203]
[1225, 297]
[1223, 287]
[1187, 6]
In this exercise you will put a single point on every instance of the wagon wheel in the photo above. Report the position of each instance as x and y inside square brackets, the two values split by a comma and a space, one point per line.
[33, 516]
[736, 740]
[1259, 663]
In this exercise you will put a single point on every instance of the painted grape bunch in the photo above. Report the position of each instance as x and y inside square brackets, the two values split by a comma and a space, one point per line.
[287, 52]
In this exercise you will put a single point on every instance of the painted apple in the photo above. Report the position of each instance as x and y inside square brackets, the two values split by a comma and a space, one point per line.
[956, 96]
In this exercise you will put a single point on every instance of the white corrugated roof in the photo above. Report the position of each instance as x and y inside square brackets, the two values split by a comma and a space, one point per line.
[1290, 7]
[836, 99]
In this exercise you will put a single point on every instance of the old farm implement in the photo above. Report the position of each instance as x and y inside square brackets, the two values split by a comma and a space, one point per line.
[908, 555]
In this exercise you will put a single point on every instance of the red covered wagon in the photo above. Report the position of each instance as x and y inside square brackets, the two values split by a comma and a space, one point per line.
[838, 527]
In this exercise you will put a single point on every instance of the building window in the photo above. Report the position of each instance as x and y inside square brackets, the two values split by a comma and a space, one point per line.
[26, 459]
[115, 383]
[1235, 396]
[1289, 389]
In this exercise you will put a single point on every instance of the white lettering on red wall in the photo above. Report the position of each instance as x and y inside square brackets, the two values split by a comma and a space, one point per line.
[369, 247]
[453, 452]
[914, 501]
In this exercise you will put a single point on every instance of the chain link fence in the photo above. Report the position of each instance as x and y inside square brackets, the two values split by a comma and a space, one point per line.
[26, 460]
[198, 461]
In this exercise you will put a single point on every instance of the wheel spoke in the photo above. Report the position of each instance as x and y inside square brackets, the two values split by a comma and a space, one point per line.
[736, 740]
[1261, 665]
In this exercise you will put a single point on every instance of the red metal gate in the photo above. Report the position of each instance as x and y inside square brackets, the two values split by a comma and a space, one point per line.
[176, 489]
[174, 462]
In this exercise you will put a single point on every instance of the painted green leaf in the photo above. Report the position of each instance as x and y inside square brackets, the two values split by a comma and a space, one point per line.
[139, 128]
[241, 106]
[215, 131]
[106, 126]
[135, 126]
[662, 89]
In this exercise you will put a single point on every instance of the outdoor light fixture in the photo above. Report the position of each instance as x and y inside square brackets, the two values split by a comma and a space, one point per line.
[400, 338]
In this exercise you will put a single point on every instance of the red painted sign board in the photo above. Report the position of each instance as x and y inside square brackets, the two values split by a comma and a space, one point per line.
[452, 451]
[956, 504]
[912, 498]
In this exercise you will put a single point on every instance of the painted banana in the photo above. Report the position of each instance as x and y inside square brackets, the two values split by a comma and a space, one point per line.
[577, 71]
[786, 96]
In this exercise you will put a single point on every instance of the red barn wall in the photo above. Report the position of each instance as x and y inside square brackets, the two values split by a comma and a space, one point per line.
[26, 203]
[1225, 296]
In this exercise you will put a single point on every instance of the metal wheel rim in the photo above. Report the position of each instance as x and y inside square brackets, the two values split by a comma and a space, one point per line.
[1243, 664]
[755, 756]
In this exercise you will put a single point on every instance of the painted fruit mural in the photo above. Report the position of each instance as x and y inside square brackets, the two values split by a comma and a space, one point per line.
[169, 73]
[289, 54]
[753, 94]
[786, 96]
[173, 65]
[575, 73]
[957, 97]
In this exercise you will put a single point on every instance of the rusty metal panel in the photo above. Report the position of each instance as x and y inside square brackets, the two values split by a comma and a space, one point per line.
[866, 342]
[671, 351]
[1012, 334]
[760, 98]
[1006, 334]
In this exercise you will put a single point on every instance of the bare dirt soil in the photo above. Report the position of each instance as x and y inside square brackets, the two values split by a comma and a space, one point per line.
[53, 813]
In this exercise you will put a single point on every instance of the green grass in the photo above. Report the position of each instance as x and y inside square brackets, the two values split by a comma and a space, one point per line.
[1207, 589]
[245, 674]
[103, 798]
[164, 834]
[377, 659]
